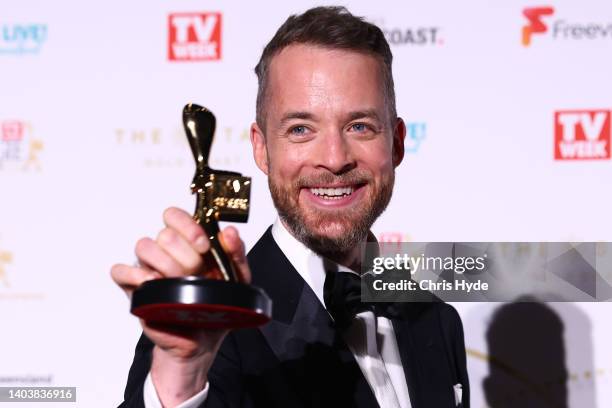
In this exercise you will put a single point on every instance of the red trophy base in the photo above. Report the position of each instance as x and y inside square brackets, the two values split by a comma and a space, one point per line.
[201, 303]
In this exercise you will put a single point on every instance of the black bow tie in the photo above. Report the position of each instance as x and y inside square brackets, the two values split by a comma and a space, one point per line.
[342, 296]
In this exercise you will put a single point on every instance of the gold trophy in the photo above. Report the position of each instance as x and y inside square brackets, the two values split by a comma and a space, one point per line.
[194, 301]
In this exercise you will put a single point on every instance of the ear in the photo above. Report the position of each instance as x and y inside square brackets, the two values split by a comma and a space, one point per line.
[399, 134]
[260, 152]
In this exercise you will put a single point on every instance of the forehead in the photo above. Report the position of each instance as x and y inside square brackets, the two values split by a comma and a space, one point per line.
[304, 76]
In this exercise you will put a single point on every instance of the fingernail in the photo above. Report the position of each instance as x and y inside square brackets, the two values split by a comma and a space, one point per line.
[152, 276]
[230, 231]
[200, 244]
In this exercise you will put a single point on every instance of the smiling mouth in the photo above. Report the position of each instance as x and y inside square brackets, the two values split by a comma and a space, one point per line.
[333, 193]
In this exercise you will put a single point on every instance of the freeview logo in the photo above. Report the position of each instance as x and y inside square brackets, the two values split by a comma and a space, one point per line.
[536, 25]
[561, 28]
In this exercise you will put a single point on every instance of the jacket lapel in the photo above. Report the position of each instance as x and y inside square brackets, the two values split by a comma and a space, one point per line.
[408, 355]
[424, 356]
[315, 358]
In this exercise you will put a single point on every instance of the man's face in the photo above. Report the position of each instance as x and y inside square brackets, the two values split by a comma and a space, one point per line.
[329, 149]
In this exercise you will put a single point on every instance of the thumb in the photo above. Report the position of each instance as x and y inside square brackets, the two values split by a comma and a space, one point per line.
[234, 246]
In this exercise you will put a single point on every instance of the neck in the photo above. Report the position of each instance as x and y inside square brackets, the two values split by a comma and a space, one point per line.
[351, 259]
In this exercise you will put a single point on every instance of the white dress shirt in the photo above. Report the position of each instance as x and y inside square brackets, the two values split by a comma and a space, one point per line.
[371, 339]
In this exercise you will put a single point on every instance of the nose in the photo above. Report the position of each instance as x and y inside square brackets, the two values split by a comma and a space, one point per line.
[335, 154]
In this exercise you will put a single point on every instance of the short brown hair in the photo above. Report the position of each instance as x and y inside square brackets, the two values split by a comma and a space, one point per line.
[331, 27]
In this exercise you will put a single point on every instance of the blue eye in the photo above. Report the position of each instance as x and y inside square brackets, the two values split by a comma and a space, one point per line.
[359, 127]
[298, 130]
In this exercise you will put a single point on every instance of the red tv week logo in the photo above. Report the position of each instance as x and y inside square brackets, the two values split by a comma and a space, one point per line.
[536, 25]
[582, 135]
[194, 36]
[12, 130]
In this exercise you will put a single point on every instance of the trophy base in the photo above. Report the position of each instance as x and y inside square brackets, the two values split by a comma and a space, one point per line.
[201, 303]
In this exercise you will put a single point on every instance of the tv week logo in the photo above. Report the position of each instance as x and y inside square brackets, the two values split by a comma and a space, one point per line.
[582, 135]
[535, 25]
[194, 36]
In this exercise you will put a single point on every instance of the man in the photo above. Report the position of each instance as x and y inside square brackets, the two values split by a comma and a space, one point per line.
[328, 138]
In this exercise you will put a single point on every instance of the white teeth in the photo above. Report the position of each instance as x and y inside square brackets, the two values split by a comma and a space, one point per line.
[334, 193]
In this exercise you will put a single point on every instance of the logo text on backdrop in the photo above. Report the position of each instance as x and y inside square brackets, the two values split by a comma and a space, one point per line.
[22, 38]
[582, 135]
[561, 28]
[18, 148]
[194, 36]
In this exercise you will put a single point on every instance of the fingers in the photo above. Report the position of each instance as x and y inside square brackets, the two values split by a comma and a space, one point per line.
[183, 223]
[130, 277]
[150, 253]
[181, 251]
[234, 246]
[191, 237]
[178, 251]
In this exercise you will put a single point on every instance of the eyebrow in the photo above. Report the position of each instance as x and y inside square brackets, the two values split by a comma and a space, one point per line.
[296, 115]
[366, 113]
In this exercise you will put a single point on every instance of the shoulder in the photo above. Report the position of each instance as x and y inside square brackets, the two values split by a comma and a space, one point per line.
[434, 317]
[448, 314]
[270, 267]
[451, 327]
[265, 251]
[450, 322]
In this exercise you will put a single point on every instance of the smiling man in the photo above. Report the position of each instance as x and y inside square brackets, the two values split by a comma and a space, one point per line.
[328, 137]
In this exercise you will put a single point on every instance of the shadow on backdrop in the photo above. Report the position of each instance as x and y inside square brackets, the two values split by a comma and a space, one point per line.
[527, 357]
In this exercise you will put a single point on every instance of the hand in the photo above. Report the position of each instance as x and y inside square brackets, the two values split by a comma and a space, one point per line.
[181, 356]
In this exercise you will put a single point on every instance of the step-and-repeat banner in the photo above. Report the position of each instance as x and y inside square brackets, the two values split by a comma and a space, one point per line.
[507, 106]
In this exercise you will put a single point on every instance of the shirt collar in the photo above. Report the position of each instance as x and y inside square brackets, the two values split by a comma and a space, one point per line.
[306, 262]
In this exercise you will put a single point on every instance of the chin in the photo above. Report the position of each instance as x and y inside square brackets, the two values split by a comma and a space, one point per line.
[333, 230]
[330, 227]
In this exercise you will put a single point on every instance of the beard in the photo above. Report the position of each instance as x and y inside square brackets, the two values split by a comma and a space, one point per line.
[315, 227]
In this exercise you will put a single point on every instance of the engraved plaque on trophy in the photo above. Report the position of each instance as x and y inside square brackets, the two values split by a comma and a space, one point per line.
[195, 301]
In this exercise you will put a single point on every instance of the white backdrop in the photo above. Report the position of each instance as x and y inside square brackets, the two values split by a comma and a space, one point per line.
[92, 151]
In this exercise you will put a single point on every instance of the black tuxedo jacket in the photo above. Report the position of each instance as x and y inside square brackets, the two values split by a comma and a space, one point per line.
[299, 360]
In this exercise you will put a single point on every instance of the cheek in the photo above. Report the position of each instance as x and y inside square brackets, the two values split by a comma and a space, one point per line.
[286, 163]
[377, 159]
